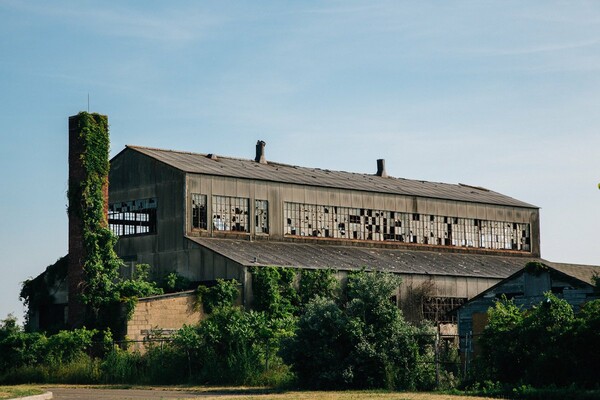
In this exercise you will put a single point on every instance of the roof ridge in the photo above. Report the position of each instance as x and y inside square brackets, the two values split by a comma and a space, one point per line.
[277, 163]
[391, 184]
[193, 153]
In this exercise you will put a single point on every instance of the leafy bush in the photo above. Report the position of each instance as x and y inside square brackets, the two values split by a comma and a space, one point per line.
[319, 350]
[121, 366]
[364, 343]
[223, 294]
[318, 282]
[546, 345]
[274, 291]
[173, 282]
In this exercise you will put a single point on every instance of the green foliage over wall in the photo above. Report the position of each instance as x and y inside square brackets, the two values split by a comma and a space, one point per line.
[223, 294]
[28, 357]
[362, 343]
[39, 291]
[86, 200]
[173, 282]
[318, 282]
[129, 290]
[548, 344]
[274, 291]
[282, 292]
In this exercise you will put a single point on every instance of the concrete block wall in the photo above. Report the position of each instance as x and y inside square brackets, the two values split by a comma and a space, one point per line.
[167, 312]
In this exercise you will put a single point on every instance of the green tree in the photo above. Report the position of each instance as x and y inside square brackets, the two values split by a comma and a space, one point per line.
[320, 348]
[501, 356]
[223, 294]
[533, 346]
[274, 291]
[545, 336]
[363, 343]
[585, 332]
[318, 282]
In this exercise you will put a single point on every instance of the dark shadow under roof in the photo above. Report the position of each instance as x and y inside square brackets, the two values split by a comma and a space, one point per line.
[315, 256]
[275, 172]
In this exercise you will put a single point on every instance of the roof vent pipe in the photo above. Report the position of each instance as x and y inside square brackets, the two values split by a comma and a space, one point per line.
[381, 168]
[260, 152]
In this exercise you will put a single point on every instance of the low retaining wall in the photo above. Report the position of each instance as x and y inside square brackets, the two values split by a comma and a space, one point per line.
[166, 313]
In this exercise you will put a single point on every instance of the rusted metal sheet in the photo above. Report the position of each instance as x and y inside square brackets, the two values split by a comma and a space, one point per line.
[307, 255]
[584, 273]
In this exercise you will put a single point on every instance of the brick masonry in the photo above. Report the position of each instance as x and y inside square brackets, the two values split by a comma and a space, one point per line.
[77, 174]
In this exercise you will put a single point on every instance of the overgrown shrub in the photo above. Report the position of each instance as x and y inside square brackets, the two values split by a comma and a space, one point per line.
[364, 343]
[546, 345]
[318, 282]
[121, 366]
[223, 294]
[274, 291]
[173, 282]
[33, 357]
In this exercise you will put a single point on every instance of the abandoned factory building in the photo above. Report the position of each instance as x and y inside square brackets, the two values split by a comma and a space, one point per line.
[206, 217]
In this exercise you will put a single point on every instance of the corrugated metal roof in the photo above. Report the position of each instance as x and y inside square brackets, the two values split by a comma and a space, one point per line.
[584, 273]
[307, 255]
[276, 172]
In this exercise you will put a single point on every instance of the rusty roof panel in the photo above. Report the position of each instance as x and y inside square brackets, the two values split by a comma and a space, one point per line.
[315, 256]
[584, 273]
[232, 167]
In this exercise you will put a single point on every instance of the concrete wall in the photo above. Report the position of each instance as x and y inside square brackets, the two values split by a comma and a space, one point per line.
[167, 312]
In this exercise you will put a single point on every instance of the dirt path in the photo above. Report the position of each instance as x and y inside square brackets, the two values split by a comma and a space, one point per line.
[80, 393]
[63, 393]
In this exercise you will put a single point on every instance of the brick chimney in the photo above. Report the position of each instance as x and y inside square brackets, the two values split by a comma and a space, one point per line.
[77, 174]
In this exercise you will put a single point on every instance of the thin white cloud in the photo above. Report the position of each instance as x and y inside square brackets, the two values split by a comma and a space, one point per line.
[533, 49]
[171, 25]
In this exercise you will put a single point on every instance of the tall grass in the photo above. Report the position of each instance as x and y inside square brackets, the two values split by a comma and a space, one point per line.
[82, 370]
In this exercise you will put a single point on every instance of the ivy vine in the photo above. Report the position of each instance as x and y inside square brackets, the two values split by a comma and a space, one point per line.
[86, 200]
[103, 291]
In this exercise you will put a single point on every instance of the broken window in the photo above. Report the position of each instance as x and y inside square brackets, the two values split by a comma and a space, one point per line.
[261, 216]
[135, 217]
[438, 309]
[230, 213]
[381, 225]
[199, 212]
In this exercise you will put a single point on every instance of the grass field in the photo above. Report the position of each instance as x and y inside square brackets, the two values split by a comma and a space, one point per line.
[11, 392]
[350, 395]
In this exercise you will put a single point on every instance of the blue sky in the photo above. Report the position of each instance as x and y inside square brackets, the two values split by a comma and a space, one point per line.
[501, 94]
